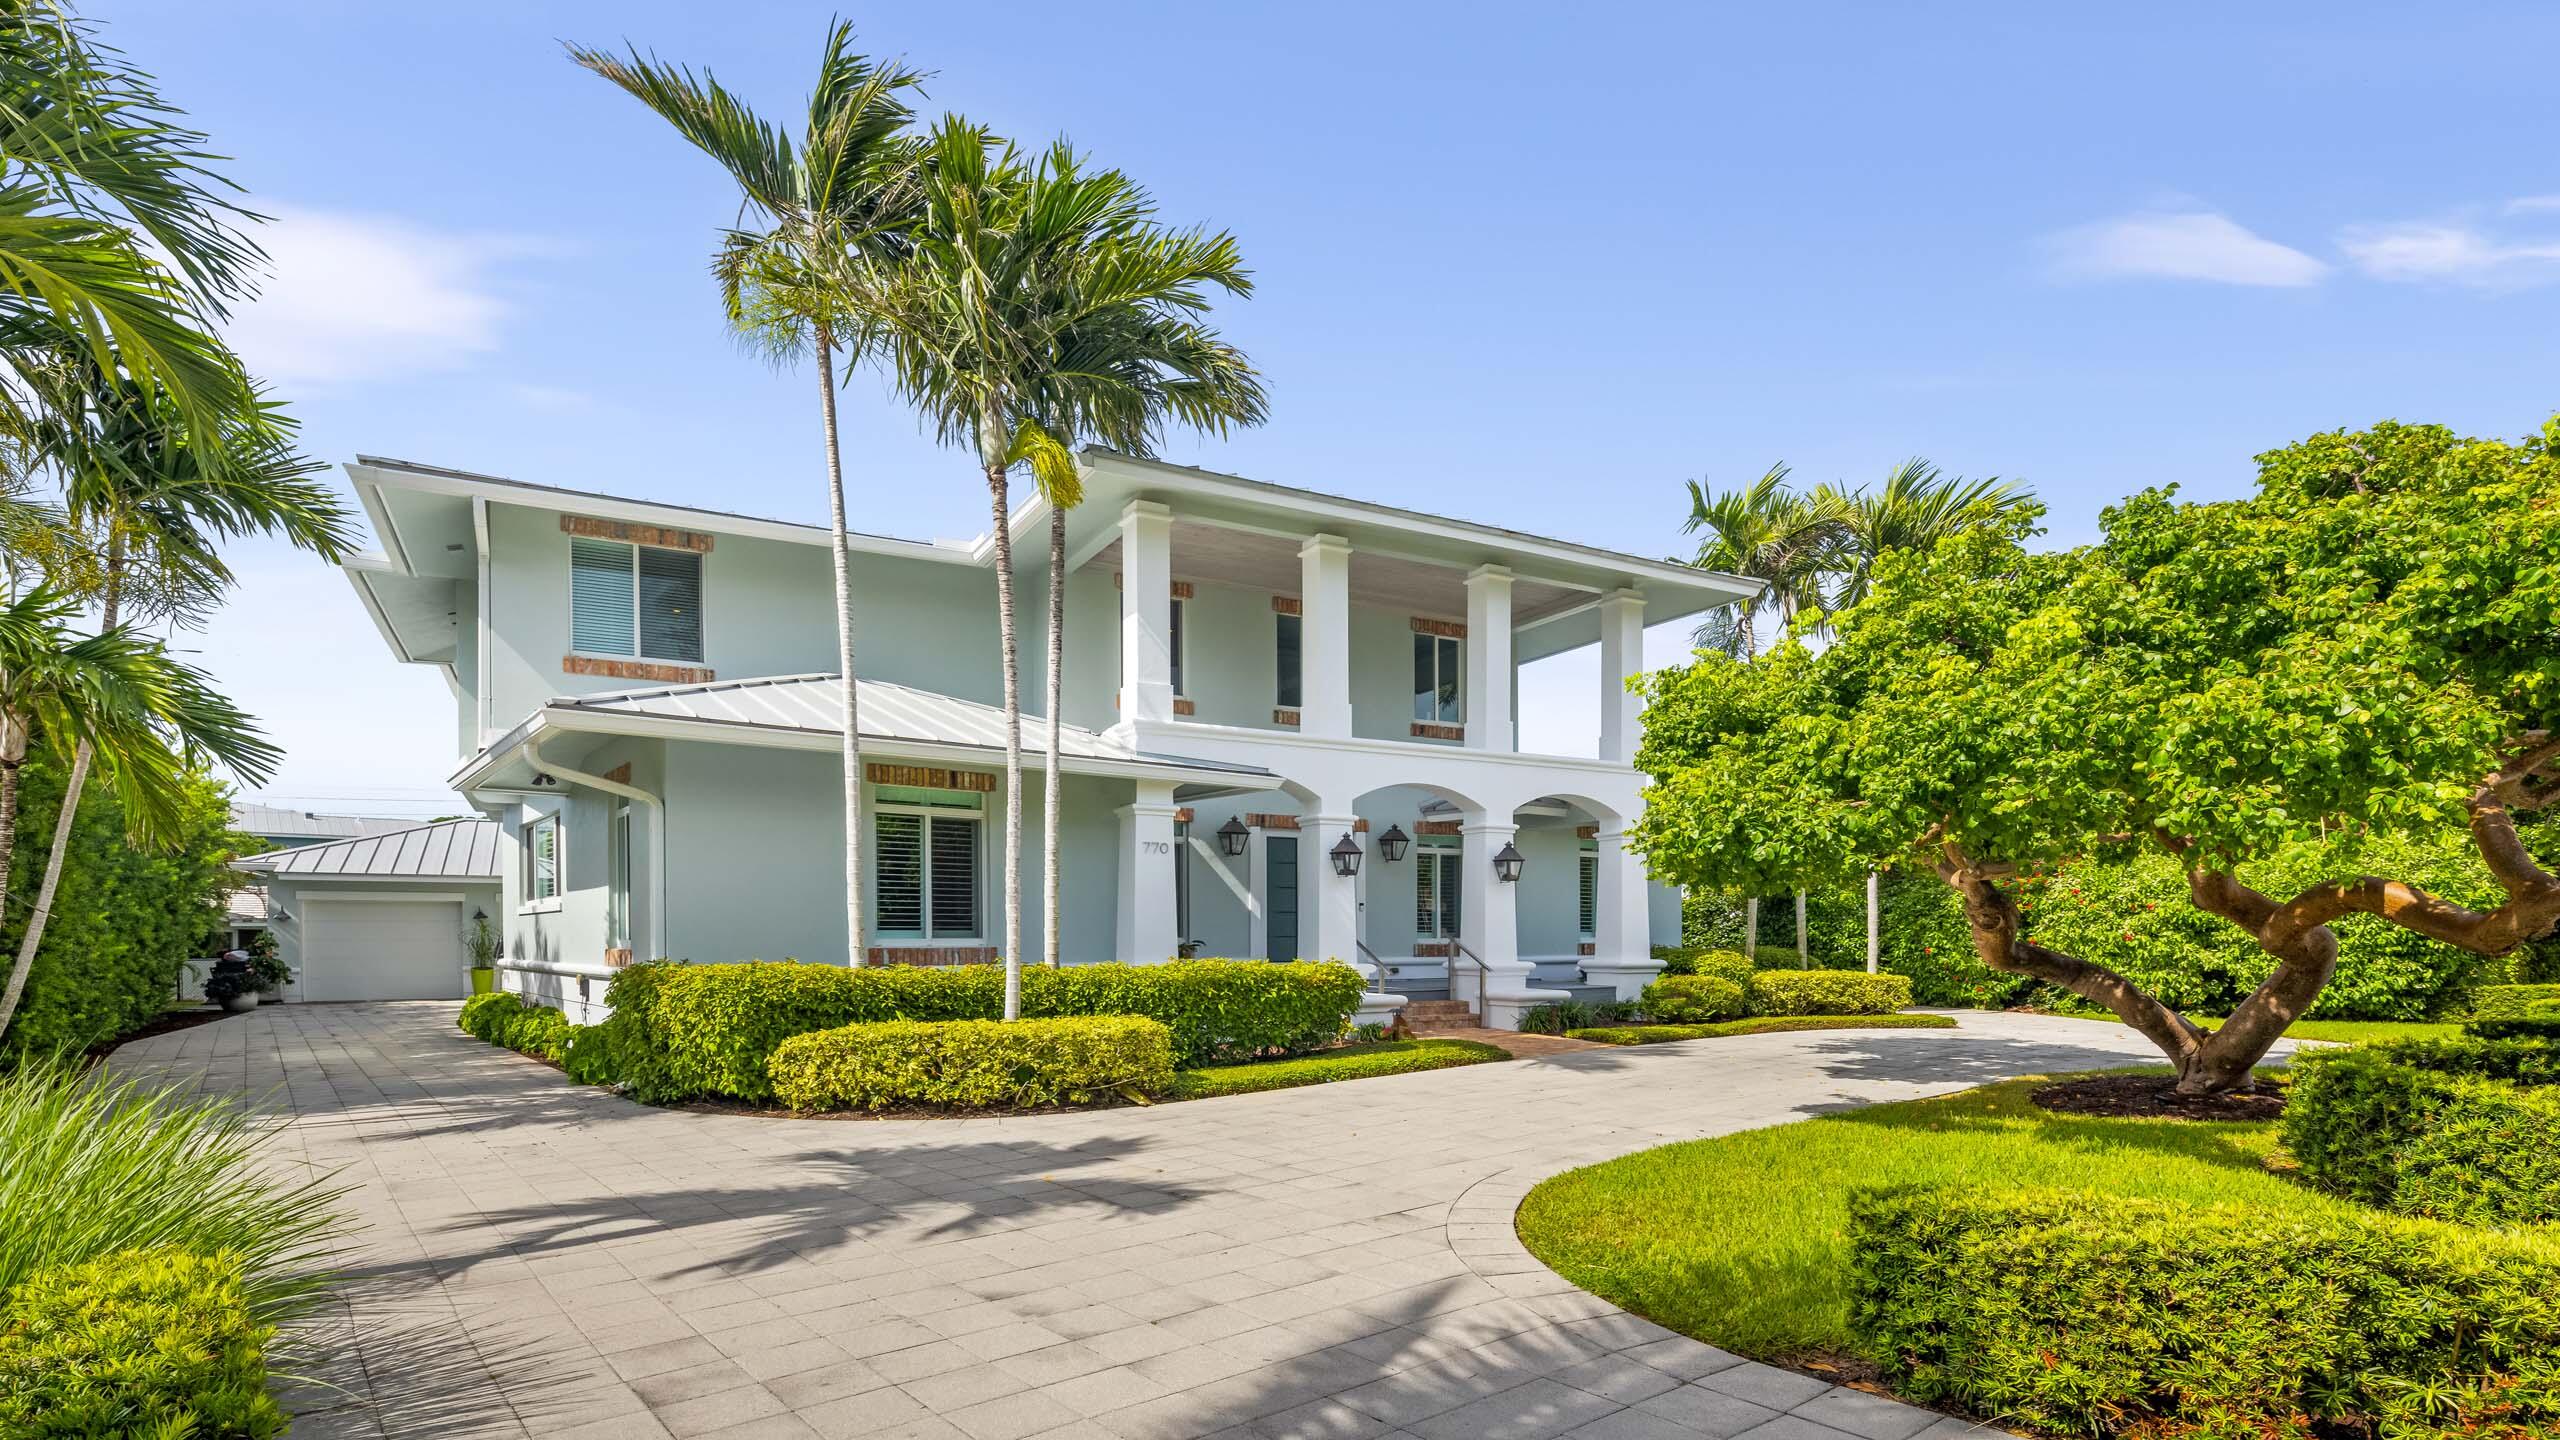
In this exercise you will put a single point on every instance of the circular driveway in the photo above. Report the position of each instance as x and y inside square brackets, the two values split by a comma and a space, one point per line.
[544, 1259]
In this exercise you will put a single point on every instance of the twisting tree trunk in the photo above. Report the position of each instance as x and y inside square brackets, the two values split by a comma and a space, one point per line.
[1012, 655]
[844, 662]
[1049, 788]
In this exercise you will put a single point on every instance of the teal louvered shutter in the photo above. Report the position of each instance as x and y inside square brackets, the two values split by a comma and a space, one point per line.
[670, 604]
[600, 597]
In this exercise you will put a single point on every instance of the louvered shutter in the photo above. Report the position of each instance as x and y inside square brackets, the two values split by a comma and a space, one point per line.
[898, 874]
[670, 604]
[600, 609]
[955, 877]
[1590, 894]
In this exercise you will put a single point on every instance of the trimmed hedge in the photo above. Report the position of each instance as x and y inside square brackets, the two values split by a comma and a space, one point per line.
[141, 1343]
[2096, 1315]
[680, 1030]
[974, 1064]
[2530, 1027]
[503, 1019]
[2455, 1129]
[1352, 1062]
[1693, 999]
[1762, 1025]
[1827, 992]
[1730, 965]
[2511, 1002]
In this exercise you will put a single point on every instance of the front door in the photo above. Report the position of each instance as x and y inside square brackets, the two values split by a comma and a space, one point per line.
[1280, 872]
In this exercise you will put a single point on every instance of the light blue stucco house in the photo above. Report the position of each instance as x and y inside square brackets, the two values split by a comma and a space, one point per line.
[1289, 731]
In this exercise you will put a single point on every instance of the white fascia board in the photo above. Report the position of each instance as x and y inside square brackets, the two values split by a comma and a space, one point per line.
[1401, 749]
[356, 570]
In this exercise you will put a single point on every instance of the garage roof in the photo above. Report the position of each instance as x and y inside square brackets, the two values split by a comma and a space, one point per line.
[444, 850]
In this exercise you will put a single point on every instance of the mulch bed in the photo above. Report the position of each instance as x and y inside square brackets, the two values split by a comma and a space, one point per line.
[2155, 1097]
[160, 1024]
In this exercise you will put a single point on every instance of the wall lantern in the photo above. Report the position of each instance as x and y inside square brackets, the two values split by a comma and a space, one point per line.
[479, 916]
[1391, 845]
[1346, 857]
[1507, 862]
[1232, 835]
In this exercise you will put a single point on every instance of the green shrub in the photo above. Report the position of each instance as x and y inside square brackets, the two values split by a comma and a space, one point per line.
[1681, 960]
[141, 1343]
[482, 1015]
[1827, 992]
[2490, 1156]
[2511, 1002]
[588, 1057]
[2527, 1027]
[2457, 1129]
[502, 1019]
[682, 1030]
[1558, 1016]
[1763, 1025]
[1352, 1062]
[974, 1064]
[1693, 999]
[2097, 1315]
[89, 1167]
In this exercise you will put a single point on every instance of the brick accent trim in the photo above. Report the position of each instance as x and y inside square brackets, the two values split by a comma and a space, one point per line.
[1434, 950]
[930, 777]
[1587, 948]
[930, 955]
[1184, 707]
[1422, 731]
[619, 774]
[617, 958]
[1287, 605]
[1179, 589]
[1182, 815]
[655, 670]
[1586, 832]
[1453, 629]
[1435, 827]
[588, 527]
[1260, 820]
[1284, 716]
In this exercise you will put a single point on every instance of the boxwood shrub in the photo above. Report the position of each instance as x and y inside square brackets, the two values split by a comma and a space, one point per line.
[1826, 992]
[974, 1064]
[2511, 1002]
[1693, 999]
[502, 1019]
[136, 1343]
[1731, 965]
[2458, 1129]
[681, 1030]
[2095, 1315]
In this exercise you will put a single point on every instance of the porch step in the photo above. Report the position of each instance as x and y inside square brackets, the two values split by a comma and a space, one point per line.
[1426, 1014]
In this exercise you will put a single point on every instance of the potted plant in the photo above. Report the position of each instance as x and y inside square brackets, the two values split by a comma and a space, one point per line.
[481, 943]
[266, 969]
[233, 985]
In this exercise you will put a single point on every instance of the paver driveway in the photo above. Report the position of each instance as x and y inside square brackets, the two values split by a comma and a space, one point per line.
[1338, 1261]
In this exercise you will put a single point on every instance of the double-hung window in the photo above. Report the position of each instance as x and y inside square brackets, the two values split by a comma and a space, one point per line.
[637, 601]
[1435, 679]
[1435, 891]
[1292, 670]
[542, 860]
[925, 873]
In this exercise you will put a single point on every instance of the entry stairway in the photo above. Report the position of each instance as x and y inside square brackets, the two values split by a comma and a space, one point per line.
[1425, 986]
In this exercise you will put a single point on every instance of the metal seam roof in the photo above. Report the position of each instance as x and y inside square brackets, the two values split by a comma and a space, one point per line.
[446, 849]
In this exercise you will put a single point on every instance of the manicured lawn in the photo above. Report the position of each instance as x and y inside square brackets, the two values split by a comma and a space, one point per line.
[1739, 1241]
[1351, 1062]
[1756, 1025]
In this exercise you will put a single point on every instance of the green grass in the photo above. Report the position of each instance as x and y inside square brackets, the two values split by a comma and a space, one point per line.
[1756, 1025]
[1739, 1241]
[1351, 1062]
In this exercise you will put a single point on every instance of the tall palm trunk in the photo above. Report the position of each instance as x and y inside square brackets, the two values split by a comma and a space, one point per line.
[13, 752]
[41, 911]
[996, 492]
[1751, 929]
[844, 659]
[1804, 949]
[1049, 784]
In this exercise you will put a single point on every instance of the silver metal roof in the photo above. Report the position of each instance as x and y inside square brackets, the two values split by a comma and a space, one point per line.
[445, 850]
[251, 818]
[811, 703]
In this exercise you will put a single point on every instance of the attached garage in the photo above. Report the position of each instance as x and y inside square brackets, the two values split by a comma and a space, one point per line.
[381, 917]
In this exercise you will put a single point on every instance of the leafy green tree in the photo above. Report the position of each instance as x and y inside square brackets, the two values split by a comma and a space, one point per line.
[840, 191]
[2362, 649]
[1040, 303]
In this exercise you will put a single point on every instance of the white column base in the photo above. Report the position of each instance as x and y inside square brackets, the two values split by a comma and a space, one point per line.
[1627, 977]
[1377, 1008]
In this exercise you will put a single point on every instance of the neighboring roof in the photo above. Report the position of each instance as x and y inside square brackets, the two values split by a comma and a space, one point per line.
[809, 704]
[251, 818]
[444, 850]
[246, 906]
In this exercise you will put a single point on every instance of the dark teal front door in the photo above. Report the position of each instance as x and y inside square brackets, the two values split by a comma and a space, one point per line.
[1280, 870]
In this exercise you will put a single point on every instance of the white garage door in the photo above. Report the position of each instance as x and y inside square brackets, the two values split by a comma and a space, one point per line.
[383, 950]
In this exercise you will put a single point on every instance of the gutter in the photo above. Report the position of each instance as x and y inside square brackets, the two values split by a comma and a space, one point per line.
[531, 751]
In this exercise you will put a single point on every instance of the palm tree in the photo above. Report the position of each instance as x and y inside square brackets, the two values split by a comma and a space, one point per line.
[838, 192]
[118, 696]
[1766, 532]
[1040, 304]
[1914, 509]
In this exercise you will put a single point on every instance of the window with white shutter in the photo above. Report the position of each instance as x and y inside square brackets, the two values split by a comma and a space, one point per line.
[925, 872]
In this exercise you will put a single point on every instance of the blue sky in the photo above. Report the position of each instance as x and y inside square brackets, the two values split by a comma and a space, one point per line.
[1533, 268]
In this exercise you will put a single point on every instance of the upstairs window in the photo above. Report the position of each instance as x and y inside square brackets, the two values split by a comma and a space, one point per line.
[1291, 678]
[1435, 679]
[640, 601]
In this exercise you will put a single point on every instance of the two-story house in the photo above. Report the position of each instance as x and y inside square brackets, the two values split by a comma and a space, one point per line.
[1288, 723]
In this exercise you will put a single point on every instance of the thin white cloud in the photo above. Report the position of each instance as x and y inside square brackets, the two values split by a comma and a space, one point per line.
[365, 297]
[2449, 253]
[2533, 204]
[2180, 245]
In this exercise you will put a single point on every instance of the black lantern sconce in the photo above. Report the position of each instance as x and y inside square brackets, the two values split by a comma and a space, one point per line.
[1232, 835]
[479, 916]
[1346, 857]
[1392, 844]
[1507, 862]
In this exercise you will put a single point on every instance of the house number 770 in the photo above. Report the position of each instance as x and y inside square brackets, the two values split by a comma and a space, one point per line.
[1158, 847]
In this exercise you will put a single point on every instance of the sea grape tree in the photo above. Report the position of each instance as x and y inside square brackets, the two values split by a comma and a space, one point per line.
[2367, 645]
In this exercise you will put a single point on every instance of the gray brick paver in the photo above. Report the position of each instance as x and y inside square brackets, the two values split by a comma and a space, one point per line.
[1334, 1263]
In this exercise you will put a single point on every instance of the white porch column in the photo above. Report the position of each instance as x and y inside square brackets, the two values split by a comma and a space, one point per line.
[1621, 655]
[1324, 637]
[1328, 904]
[1488, 662]
[1146, 929]
[1146, 611]
[1622, 944]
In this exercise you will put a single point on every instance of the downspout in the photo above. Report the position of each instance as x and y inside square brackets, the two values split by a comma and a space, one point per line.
[531, 752]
